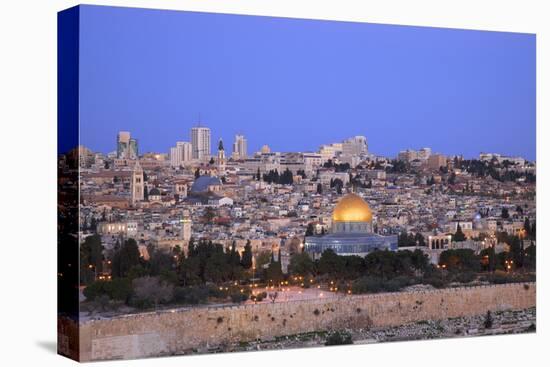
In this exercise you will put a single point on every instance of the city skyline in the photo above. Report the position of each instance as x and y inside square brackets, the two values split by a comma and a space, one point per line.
[231, 148]
[456, 91]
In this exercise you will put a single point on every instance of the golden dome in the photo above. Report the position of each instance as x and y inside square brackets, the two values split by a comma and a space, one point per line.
[352, 208]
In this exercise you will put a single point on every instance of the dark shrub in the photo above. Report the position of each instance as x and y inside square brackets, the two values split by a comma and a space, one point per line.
[190, 295]
[435, 281]
[372, 284]
[339, 338]
[119, 289]
[465, 277]
[238, 297]
[95, 290]
[488, 323]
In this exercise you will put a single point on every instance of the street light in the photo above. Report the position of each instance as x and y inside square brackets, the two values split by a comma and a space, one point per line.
[95, 272]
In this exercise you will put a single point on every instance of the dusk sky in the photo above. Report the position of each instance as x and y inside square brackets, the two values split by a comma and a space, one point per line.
[296, 84]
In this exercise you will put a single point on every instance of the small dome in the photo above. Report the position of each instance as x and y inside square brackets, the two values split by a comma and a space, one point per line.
[154, 192]
[352, 208]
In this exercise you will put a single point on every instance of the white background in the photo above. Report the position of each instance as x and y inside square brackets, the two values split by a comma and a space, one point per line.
[28, 180]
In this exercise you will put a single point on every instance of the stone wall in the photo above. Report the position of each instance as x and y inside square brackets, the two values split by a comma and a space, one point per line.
[181, 330]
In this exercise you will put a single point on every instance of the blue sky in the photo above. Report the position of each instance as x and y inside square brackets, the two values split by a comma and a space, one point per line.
[296, 84]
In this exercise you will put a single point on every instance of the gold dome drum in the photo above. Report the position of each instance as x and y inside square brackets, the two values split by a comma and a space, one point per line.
[352, 208]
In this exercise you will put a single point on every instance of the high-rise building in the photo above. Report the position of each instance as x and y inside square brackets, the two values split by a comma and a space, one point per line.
[200, 141]
[126, 146]
[240, 147]
[180, 154]
[355, 146]
[435, 161]
[330, 151]
[424, 153]
[410, 155]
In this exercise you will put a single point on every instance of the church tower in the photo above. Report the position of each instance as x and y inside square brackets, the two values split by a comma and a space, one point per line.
[137, 185]
[186, 226]
[221, 159]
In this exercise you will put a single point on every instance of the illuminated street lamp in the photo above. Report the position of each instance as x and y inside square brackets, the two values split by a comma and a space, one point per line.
[95, 271]
[508, 264]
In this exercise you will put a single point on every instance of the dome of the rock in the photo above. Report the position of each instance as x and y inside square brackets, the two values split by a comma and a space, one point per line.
[352, 208]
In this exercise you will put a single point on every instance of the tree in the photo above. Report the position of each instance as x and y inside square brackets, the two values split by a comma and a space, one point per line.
[263, 258]
[234, 256]
[91, 258]
[319, 188]
[258, 176]
[527, 226]
[504, 213]
[389, 264]
[191, 249]
[197, 173]
[160, 261]
[488, 322]
[460, 259]
[273, 296]
[209, 214]
[151, 289]
[459, 235]
[216, 268]
[339, 338]
[246, 259]
[419, 260]
[403, 239]
[530, 261]
[488, 259]
[452, 178]
[516, 251]
[274, 273]
[419, 239]
[189, 271]
[310, 230]
[125, 258]
[330, 263]
[301, 264]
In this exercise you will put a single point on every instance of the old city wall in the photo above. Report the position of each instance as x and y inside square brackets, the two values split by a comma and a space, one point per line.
[171, 332]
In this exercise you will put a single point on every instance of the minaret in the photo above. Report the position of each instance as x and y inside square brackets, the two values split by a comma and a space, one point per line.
[186, 226]
[137, 184]
[221, 159]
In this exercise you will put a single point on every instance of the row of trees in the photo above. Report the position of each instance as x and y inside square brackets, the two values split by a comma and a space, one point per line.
[209, 262]
[405, 239]
[273, 176]
[385, 264]
[494, 169]
[342, 167]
